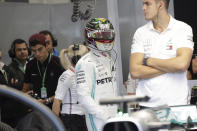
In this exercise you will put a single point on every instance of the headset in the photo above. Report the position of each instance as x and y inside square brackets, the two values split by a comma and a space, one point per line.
[11, 51]
[75, 58]
[46, 32]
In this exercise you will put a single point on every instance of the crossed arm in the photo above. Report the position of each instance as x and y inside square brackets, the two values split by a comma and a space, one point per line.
[194, 65]
[156, 67]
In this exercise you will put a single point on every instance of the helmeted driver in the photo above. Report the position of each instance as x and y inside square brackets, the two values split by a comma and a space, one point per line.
[95, 73]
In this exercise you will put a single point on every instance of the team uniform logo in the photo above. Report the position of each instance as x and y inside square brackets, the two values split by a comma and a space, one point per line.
[104, 80]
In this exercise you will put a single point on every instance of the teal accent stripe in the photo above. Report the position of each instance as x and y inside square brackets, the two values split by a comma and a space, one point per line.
[92, 123]
[78, 67]
[94, 85]
[93, 95]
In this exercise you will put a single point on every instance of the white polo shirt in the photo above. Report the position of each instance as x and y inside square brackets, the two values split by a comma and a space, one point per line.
[169, 88]
[67, 92]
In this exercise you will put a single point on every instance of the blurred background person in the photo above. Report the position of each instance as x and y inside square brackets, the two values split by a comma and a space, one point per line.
[42, 72]
[19, 53]
[11, 110]
[131, 85]
[192, 71]
[51, 41]
[6, 76]
[4, 73]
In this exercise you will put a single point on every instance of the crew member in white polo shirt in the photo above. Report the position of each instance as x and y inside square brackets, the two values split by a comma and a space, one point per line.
[72, 114]
[160, 56]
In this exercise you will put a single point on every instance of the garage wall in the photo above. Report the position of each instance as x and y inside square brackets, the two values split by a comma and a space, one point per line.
[21, 20]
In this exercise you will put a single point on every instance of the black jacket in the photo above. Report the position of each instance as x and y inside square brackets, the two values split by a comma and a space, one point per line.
[17, 73]
[5, 78]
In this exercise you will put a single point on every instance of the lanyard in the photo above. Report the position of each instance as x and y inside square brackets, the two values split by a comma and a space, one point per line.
[43, 78]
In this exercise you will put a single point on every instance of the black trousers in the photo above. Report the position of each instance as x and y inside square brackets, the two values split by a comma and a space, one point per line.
[73, 122]
[143, 107]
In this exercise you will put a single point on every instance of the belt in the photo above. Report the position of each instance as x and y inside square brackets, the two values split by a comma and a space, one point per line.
[144, 107]
[68, 115]
[71, 103]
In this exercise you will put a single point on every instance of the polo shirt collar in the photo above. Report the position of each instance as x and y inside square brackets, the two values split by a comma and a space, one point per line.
[20, 65]
[170, 25]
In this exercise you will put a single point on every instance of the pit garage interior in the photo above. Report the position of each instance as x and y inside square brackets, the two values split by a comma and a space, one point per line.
[22, 18]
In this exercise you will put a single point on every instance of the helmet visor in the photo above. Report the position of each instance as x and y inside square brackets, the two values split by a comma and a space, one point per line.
[102, 35]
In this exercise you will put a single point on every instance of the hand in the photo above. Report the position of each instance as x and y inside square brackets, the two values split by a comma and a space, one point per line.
[29, 92]
[43, 101]
[14, 81]
[195, 56]
[125, 84]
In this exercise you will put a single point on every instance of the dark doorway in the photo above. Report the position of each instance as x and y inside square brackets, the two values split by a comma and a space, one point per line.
[185, 10]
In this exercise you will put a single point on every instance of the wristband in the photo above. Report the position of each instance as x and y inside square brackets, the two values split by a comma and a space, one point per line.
[145, 61]
[48, 100]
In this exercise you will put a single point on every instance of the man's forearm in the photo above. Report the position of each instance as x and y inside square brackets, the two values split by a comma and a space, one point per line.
[56, 106]
[194, 65]
[139, 68]
[168, 65]
[180, 63]
[145, 72]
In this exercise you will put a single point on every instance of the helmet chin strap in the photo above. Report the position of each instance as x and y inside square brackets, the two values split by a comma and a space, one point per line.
[106, 47]
[95, 47]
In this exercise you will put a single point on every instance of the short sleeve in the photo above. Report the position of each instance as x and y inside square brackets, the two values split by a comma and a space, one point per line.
[64, 82]
[137, 43]
[184, 37]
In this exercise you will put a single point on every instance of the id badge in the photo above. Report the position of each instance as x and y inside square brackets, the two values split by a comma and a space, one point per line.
[43, 93]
